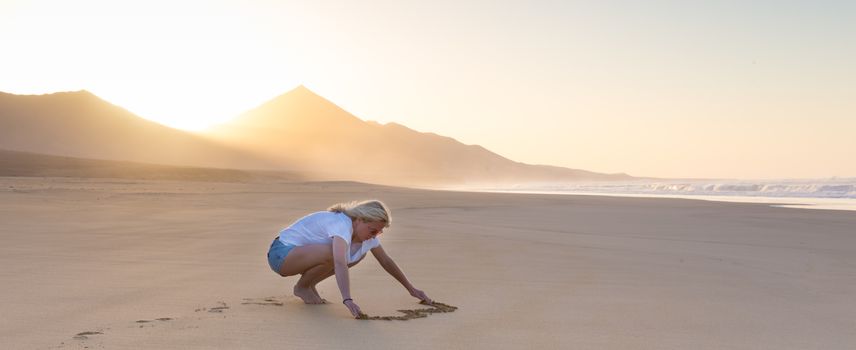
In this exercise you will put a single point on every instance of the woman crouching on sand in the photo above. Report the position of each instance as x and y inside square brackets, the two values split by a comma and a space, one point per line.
[325, 243]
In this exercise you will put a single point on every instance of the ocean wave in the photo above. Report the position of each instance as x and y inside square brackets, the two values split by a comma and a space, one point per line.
[832, 188]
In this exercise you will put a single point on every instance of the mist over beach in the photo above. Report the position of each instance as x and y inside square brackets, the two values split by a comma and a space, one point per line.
[559, 175]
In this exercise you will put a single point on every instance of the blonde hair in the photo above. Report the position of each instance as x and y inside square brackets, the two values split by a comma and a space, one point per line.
[371, 210]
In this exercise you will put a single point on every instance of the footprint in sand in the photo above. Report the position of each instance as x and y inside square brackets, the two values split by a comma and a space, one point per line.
[84, 340]
[223, 306]
[155, 320]
[216, 309]
[85, 335]
[272, 301]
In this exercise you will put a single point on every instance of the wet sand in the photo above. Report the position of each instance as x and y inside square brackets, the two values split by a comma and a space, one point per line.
[129, 264]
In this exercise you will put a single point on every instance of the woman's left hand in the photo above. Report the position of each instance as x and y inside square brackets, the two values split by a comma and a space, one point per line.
[421, 295]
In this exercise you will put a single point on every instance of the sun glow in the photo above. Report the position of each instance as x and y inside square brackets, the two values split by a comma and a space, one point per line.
[182, 64]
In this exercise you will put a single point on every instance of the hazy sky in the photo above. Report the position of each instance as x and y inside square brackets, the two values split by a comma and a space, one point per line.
[746, 89]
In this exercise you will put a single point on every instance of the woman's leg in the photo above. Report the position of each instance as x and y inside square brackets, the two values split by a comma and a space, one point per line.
[315, 263]
[311, 262]
[326, 275]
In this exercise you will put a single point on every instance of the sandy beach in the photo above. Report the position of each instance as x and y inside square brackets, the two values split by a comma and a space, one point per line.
[136, 264]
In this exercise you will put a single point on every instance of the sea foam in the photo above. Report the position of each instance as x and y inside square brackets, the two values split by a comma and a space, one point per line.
[823, 188]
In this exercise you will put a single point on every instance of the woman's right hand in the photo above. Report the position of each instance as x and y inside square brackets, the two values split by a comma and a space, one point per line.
[354, 308]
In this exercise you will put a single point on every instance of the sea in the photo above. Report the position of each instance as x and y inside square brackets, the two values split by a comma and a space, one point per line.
[828, 194]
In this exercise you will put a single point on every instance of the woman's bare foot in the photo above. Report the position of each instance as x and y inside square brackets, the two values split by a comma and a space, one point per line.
[323, 301]
[308, 295]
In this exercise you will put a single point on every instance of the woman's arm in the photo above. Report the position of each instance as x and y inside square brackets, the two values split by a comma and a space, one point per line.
[389, 265]
[340, 267]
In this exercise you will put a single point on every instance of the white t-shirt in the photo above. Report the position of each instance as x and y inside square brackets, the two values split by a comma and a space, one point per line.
[321, 227]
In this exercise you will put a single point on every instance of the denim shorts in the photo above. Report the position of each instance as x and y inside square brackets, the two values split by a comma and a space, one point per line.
[277, 253]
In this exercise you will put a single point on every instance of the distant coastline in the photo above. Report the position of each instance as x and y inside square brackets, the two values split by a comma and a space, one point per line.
[829, 194]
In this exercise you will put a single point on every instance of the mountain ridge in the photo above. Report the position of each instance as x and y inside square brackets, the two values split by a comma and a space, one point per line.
[295, 131]
[303, 127]
[80, 124]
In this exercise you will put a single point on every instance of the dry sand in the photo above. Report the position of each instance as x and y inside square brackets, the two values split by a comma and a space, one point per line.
[126, 264]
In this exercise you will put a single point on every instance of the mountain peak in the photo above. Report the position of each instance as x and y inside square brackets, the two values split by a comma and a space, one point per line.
[299, 108]
[301, 88]
[301, 91]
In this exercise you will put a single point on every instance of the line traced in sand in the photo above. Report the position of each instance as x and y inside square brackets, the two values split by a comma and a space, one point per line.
[414, 313]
